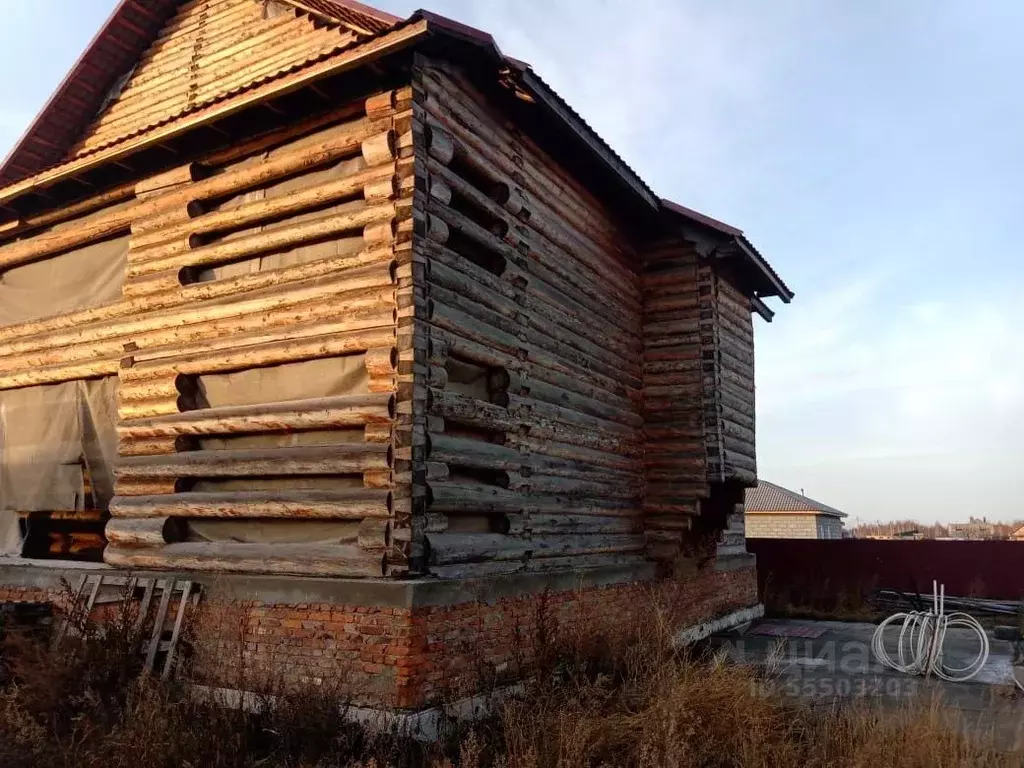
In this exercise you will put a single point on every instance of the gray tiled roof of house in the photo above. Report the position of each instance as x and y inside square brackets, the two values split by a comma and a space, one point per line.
[768, 497]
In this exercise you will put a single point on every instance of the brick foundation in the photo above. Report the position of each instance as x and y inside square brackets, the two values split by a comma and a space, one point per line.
[406, 645]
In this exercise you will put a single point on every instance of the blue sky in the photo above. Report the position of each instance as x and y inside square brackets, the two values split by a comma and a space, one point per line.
[873, 151]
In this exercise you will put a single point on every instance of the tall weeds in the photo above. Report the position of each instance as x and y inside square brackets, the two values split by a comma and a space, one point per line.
[627, 699]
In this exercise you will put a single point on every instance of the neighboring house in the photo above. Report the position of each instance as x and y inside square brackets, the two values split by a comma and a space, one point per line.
[976, 529]
[360, 298]
[774, 512]
[1018, 535]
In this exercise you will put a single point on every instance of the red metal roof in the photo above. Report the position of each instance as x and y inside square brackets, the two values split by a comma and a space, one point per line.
[123, 38]
[351, 12]
[135, 24]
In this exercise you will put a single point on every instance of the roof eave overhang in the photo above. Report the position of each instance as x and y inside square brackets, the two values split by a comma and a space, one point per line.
[552, 104]
[716, 239]
[372, 50]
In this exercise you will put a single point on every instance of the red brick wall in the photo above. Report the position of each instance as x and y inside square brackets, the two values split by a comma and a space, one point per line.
[408, 658]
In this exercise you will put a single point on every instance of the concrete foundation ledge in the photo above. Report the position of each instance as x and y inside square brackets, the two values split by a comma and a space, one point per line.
[706, 629]
[424, 725]
[372, 593]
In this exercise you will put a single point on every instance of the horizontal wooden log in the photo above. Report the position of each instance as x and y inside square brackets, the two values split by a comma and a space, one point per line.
[317, 460]
[462, 409]
[341, 560]
[36, 334]
[313, 196]
[478, 454]
[354, 504]
[154, 447]
[153, 532]
[449, 548]
[288, 416]
[365, 287]
[472, 497]
[267, 241]
[236, 358]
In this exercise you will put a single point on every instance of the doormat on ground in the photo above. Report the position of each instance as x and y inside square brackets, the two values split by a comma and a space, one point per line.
[784, 630]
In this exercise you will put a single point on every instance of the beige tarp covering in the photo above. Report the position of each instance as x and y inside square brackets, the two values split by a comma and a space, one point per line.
[47, 435]
[47, 432]
[336, 246]
[79, 279]
[295, 381]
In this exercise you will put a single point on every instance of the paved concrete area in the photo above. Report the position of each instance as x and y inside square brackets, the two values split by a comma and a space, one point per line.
[838, 668]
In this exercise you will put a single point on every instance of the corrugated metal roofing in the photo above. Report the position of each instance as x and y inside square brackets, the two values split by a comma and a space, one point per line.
[356, 15]
[208, 50]
[768, 497]
[227, 47]
[131, 27]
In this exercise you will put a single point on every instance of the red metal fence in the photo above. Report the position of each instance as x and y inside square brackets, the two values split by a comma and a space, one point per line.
[809, 571]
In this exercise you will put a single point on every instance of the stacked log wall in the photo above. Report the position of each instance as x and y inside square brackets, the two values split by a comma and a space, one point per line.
[727, 333]
[531, 313]
[676, 397]
[186, 314]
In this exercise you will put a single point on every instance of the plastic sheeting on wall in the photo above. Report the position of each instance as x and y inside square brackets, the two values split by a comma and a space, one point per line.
[48, 435]
[295, 381]
[86, 277]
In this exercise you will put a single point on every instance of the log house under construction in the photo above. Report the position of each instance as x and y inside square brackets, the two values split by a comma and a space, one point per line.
[299, 289]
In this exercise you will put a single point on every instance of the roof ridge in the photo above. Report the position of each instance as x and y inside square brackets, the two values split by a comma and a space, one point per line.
[771, 497]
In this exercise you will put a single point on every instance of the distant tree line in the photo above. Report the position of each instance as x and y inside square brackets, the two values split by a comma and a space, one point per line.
[975, 528]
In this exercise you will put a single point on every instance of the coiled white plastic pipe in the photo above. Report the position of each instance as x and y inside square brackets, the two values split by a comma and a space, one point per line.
[922, 638]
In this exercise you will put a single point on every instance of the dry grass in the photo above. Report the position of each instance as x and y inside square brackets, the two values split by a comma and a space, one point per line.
[595, 701]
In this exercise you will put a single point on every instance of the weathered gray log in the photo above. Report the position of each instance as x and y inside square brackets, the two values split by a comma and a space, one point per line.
[285, 559]
[317, 460]
[348, 504]
[153, 532]
[464, 452]
[472, 497]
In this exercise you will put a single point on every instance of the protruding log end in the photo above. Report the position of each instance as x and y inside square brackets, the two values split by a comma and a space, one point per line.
[381, 104]
[440, 145]
[437, 230]
[439, 190]
[382, 189]
[382, 361]
[380, 149]
[380, 233]
[374, 535]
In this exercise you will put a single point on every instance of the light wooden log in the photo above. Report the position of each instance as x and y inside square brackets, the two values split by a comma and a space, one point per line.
[354, 504]
[367, 286]
[132, 486]
[382, 361]
[57, 373]
[185, 174]
[153, 532]
[155, 447]
[169, 388]
[33, 335]
[374, 535]
[317, 460]
[285, 559]
[230, 182]
[260, 355]
[147, 409]
[268, 241]
[321, 413]
[314, 196]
